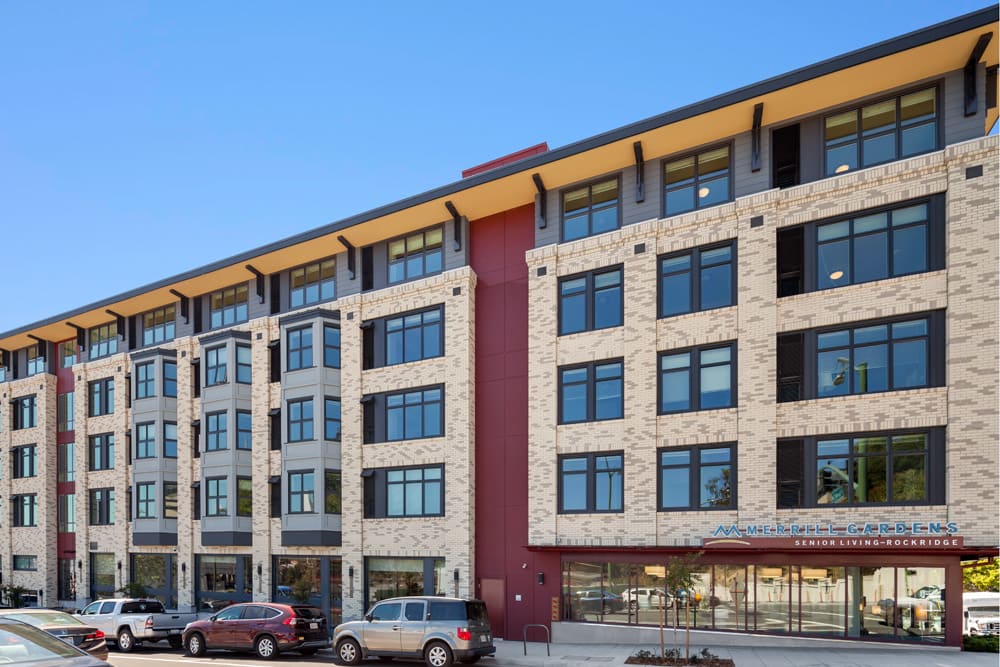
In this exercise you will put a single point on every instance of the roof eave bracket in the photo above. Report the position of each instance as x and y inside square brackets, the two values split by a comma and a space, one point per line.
[351, 266]
[971, 67]
[260, 280]
[540, 221]
[758, 115]
[456, 220]
[640, 175]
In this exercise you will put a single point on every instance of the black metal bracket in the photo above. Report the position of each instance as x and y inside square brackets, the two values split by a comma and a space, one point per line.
[971, 94]
[184, 305]
[640, 175]
[540, 221]
[758, 115]
[81, 335]
[260, 280]
[119, 322]
[456, 220]
[351, 267]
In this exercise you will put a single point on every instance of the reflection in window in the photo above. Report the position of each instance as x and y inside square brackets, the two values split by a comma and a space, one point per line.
[590, 301]
[696, 181]
[301, 492]
[313, 283]
[229, 306]
[413, 337]
[697, 379]
[300, 420]
[591, 483]
[103, 340]
[875, 469]
[415, 414]
[415, 492]
[158, 325]
[697, 478]
[590, 210]
[415, 255]
[874, 358]
[696, 280]
[593, 392]
[299, 349]
[395, 577]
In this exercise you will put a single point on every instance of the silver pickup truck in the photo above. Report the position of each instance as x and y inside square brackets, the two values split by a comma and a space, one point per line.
[128, 622]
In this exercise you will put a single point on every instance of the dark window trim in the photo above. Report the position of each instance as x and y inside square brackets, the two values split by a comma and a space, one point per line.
[730, 196]
[19, 456]
[147, 502]
[419, 311]
[591, 389]
[139, 441]
[243, 478]
[21, 504]
[209, 496]
[106, 442]
[217, 351]
[149, 382]
[589, 298]
[388, 260]
[224, 444]
[338, 347]
[589, 184]
[238, 377]
[300, 350]
[100, 511]
[288, 477]
[327, 491]
[695, 270]
[694, 381]
[591, 486]
[318, 262]
[288, 420]
[409, 390]
[105, 388]
[340, 419]
[694, 472]
[376, 483]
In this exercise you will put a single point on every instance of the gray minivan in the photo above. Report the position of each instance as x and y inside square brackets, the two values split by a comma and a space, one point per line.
[440, 630]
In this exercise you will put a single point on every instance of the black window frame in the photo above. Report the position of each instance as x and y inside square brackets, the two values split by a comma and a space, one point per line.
[158, 325]
[101, 452]
[590, 207]
[423, 482]
[101, 397]
[696, 184]
[101, 506]
[217, 431]
[333, 492]
[244, 370]
[296, 350]
[695, 270]
[24, 563]
[24, 412]
[694, 379]
[145, 507]
[145, 380]
[302, 493]
[216, 496]
[24, 461]
[167, 439]
[244, 495]
[591, 484]
[590, 383]
[170, 508]
[145, 447]
[65, 411]
[407, 255]
[216, 365]
[170, 379]
[36, 361]
[244, 435]
[301, 421]
[419, 328]
[424, 401]
[24, 510]
[694, 467]
[239, 306]
[327, 420]
[319, 282]
[103, 341]
[375, 492]
[331, 350]
[590, 294]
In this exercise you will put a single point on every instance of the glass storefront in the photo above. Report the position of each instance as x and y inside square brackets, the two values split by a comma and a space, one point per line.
[393, 577]
[158, 573]
[102, 576]
[301, 578]
[222, 580]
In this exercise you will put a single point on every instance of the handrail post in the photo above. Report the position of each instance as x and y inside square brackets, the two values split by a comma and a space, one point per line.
[524, 637]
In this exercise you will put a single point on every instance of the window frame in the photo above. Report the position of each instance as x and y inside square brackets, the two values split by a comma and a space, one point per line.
[590, 206]
[421, 327]
[302, 493]
[694, 379]
[591, 481]
[327, 400]
[239, 309]
[163, 326]
[336, 492]
[68, 352]
[103, 340]
[145, 380]
[590, 294]
[18, 564]
[244, 371]
[25, 510]
[145, 448]
[590, 385]
[167, 439]
[320, 283]
[695, 271]
[696, 153]
[244, 435]
[327, 347]
[301, 351]
[694, 467]
[169, 379]
[244, 493]
[216, 496]
[145, 507]
[101, 506]
[389, 262]
[36, 360]
[102, 393]
[169, 513]
[423, 403]
[100, 452]
[217, 433]
[216, 362]
[24, 412]
[65, 411]
[301, 421]
[423, 482]
[24, 461]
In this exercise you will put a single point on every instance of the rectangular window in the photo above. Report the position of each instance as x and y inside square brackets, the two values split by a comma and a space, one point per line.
[301, 492]
[101, 395]
[696, 280]
[24, 508]
[24, 461]
[216, 427]
[590, 301]
[66, 513]
[244, 364]
[300, 420]
[591, 209]
[415, 491]
[103, 341]
[67, 353]
[414, 336]
[216, 496]
[313, 283]
[170, 500]
[697, 478]
[102, 507]
[158, 325]
[701, 378]
[244, 496]
[244, 430]
[64, 412]
[101, 451]
[66, 462]
[145, 379]
[591, 483]
[170, 440]
[24, 412]
[697, 181]
[299, 349]
[229, 306]
[331, 419]
[331, 492]
[215, 366]
[145, 500]
[145, 440]
[170, 379]
[415, 255]
[415, 414]
[591, 392]
[881, 132]
[331, 346]
[36, 359]
[25, 562]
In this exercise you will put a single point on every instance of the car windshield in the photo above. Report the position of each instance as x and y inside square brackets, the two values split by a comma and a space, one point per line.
[22, 644]
[41, 618]
[143, 607]
[476, 611]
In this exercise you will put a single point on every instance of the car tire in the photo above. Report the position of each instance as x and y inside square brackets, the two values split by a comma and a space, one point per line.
[266, 647]
[349, 652]
[438, 654]
[196, 645]
[307, 651]
[175, 642]
[125, 640]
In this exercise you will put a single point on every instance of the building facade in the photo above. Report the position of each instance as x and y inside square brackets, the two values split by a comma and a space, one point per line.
[759, 331]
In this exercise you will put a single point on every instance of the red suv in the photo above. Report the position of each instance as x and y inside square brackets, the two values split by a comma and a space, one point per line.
[264, 627]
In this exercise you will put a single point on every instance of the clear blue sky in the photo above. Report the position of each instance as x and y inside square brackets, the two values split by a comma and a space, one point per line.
[141, 139]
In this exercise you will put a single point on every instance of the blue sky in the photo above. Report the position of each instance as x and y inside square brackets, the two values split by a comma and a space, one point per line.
[139, 140]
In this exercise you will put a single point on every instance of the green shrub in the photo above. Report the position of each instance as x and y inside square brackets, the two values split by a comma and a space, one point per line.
[981, 644]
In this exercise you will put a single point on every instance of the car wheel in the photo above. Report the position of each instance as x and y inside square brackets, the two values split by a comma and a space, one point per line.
[126, 642]
[266, 647]
[175, 642]
[349, 652]
[196, 645]
[307, 651]
[437, 654]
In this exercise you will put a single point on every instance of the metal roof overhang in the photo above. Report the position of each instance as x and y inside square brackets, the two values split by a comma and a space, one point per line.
[917, 56]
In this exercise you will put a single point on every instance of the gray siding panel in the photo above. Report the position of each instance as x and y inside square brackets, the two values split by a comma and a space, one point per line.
[345, 286]
[745, 181]
[649, 208]
[958, 127]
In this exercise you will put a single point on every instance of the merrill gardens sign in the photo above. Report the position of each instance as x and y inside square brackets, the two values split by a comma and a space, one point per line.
[850, 536]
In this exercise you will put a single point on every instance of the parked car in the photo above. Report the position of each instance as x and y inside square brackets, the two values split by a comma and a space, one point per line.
[67, 628]
[129, 622]
[645, 598]
[21, 643]
[267, 628]
[439, 630]
[596, 601]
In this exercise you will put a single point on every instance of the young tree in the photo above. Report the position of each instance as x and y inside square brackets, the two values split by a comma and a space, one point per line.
[678, 578]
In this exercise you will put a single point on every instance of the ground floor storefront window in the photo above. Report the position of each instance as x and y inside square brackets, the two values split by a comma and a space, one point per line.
[102, 576]
[158, 574]
[222, 580]
[314, 580]
[393, 577]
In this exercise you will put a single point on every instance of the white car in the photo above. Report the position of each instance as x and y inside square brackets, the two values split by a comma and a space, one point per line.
[645, 598]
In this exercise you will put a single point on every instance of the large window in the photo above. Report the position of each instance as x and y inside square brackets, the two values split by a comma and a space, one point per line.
[36, 359]
[215, 366]
[881, 132]
[592, 209]
[216, 496]
[895, 468]
[67, 353]
[158, 325]
[300, 420]
[65, 412]
[313, 283]
[29, 563]
[244, 364]
[414, 336]
[170, 379]
[590, 301]
[700, 478]
[66, 462]
[229, 306]
[301, 492]
[699, 279]
[244, 496]
[145, 500]
[331, 346]
[170, 500]
[331, 419]
[101, 395]
[103, 340]
[332, 492]
[244, 429]
[170, 440]
[591, 392]
[66, 513]
[102, 507]
[24, 509]
[591, 483]
[24, 412]
[145, 379]
[145, 440]
[415, 491]
[24, 461]
[698, 379]
[415, 255]
[300, 348]
[415, 414]
[101, 451]
[696, 181]
[216, 431]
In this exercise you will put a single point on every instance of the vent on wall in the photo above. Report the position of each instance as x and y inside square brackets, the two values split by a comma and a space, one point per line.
[93, 546]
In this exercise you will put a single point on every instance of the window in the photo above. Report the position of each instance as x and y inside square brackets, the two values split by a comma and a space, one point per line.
[413, 337]
[698, 478]
[415, 414]
[698, 379]
[145, 503]
[24, 461]
[216, 496]
[67, 353]
[145, 440]
[244, 430]
[301, 493]
[331, 492]
[415, 491]
[881, 132]
[24, 412]
[592, 209]
[170, 379]
[300, 348]
[158, 325]
[591, 483]
[24, 508]
[103, 340]
[170, 500]
[415, 255]
[25, 562]
[331, 346]
[696, 181]
[696, 280]
[145, 380]
[895, 468]
[591, 392]
[590, 301]
[244, 496]
[216, 431]
[244, 364]
[102, 451]
[36, 359]
[101, 394]
[215, 366]
[331, 419]
[228, 306]
[102, 507]
[66, 513]
[313, 283]
[66, 462]
[64, 412]
[170, 440]
[300, 420]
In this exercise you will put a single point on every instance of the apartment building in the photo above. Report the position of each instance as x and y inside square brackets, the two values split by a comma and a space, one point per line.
[760, 329]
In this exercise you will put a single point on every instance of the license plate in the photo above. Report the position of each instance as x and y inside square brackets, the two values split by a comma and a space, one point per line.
[484, 638]
[313, 626]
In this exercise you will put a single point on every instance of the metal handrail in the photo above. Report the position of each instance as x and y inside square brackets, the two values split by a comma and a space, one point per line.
[547, 637]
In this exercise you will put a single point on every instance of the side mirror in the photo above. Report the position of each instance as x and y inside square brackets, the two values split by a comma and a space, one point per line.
[368, 617]
[966, 613]
[77, 611]
[212, 618]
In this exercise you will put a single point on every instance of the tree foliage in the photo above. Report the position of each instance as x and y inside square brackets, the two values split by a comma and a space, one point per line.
[984, 577]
